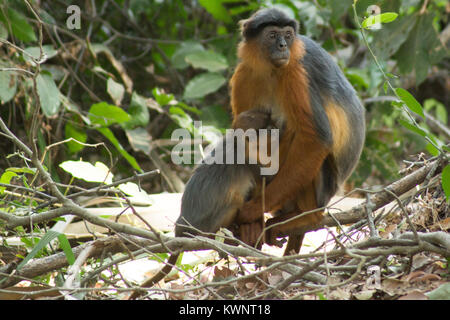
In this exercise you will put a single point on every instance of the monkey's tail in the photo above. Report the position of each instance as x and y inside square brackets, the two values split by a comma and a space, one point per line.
[157, 277]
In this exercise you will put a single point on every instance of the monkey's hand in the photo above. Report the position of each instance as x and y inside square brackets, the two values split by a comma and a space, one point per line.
[250, 212]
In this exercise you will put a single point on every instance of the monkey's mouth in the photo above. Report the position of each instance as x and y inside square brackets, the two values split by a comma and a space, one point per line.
[280, 62]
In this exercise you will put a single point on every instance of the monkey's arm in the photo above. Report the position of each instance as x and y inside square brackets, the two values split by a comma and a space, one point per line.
[304, 159]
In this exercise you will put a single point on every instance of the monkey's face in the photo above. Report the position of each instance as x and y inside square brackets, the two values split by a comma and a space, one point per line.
[252, 119]
[276, 43]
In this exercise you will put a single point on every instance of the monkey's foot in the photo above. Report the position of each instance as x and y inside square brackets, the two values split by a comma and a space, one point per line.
[251, 233]
[296, 226]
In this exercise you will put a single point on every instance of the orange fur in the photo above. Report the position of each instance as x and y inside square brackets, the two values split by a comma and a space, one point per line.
[339, 127]
[306, 201]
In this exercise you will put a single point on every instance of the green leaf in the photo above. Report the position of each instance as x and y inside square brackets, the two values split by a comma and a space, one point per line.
[216, 116]
[135, 192]
[441, 112]
[311, 18]
[203, 84]
[252, 6]
[3, 31]
[446, 181]
[379, 18]
[43, 242]
[139, 139]
[385, 87]
[35, 52]
[181, 118]
[186, 48]
[410, 101]
[189, 108]
[6, 178]
[216, 9]
[422, 49]
[21, 29]
[387, 40]
[387, 17]
[397, 104]
[22, 170]
[370, 21]
[110, 136]
[65, 246]
[391, 75]
[209, 60]
[412, 128]
[432, 149]
[338, 8]
[88, 172]
[115, 90]
[161, 97]
[8, 86]
[106, 114]
[76, 133]
[358, 78]
[48, 94]
[138, 111]
[440, 293]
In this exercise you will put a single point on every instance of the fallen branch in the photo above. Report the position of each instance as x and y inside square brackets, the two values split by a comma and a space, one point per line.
[384, 197]
[74, 270]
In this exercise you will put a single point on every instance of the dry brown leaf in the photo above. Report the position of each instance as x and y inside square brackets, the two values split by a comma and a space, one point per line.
[250, 285]
[443, 225]
[274, 279]
[394, 286]
[419, 276]
[441, 265]
[413, 275]
[414, 295]
[387, 231]
[421, 260]
[364, 295]
[221, 273]
[340, 294]
[427, 277]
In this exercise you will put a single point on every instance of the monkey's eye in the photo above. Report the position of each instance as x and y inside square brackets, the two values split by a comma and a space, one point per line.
[288, 35]
[272, 35]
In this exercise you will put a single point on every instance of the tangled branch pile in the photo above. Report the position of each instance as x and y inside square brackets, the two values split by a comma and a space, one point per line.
[411, 229]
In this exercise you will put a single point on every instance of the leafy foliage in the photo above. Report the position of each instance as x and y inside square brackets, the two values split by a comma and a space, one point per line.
[186, 51]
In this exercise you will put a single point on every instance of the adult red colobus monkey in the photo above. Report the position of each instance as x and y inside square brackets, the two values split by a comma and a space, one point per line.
[296, 82]
[324, 126]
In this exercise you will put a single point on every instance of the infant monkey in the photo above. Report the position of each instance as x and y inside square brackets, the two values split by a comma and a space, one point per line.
[216, 191]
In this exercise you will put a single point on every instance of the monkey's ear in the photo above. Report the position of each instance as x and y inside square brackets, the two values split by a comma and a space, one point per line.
[243, 24]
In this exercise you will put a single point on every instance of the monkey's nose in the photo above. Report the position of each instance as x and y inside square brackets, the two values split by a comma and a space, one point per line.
[282, 46]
